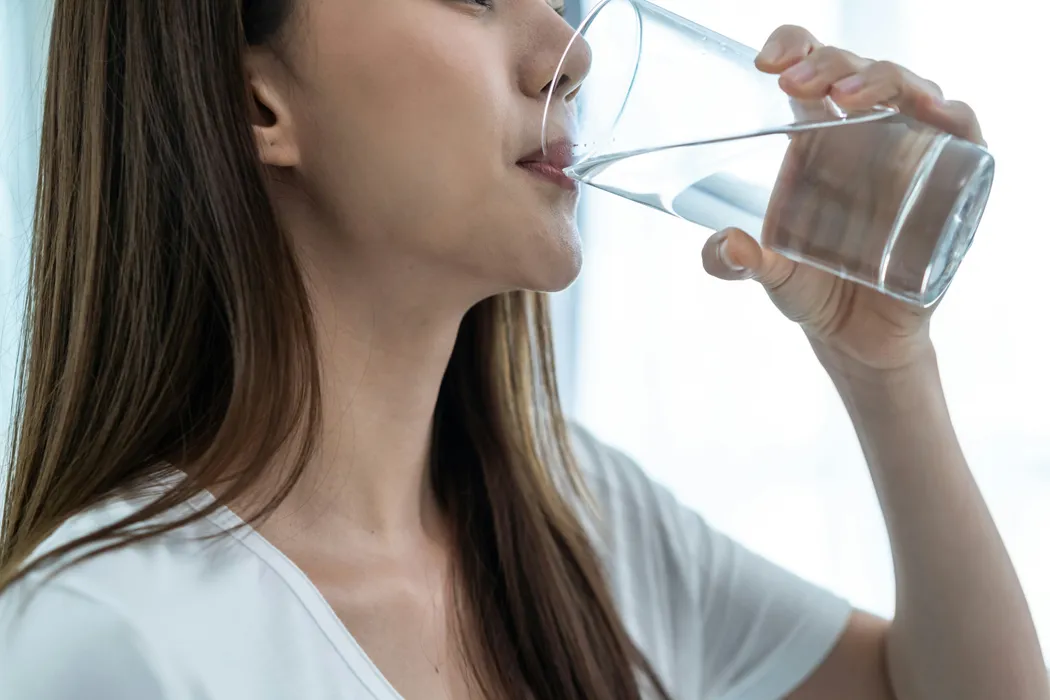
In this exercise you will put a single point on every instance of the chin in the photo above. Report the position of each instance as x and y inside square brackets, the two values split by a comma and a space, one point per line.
[564, 275]
[557, 266]
[544, 255]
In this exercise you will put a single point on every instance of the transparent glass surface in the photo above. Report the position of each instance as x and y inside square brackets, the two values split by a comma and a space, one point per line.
[873, 197]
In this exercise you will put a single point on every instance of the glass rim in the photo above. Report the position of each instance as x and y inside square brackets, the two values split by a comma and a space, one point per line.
[578, 35]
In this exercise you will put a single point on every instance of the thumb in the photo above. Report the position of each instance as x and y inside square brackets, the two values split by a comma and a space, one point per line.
[732, 254]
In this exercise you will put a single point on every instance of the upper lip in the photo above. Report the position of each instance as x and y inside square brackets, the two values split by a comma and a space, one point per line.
[559, 154]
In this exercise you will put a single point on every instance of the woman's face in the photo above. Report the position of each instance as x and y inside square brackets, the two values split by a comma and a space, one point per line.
[406, 124]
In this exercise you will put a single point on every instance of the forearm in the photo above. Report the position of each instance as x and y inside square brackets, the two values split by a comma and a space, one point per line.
[962, 628]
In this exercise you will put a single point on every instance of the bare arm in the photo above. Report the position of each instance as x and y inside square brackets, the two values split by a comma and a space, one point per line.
[962, 630]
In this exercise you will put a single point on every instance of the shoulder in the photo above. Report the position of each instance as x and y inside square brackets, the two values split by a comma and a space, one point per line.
[132, 577]
[630, 507]
[122, 624]
[610, 475]
[102, 627]
[655, 550]
[61, 643]
[709, 613]
[603, 466]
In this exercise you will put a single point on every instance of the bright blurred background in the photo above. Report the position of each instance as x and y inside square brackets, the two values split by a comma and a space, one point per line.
[722, 400]
[24, 25]
[700, 380]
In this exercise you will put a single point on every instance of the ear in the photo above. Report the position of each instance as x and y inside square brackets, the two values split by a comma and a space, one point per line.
[272, 122]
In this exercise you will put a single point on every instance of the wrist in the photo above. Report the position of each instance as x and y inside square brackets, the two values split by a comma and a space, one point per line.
[911, 378]
[901, 408]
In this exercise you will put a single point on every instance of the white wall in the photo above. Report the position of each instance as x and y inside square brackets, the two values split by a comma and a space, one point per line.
[23, 37]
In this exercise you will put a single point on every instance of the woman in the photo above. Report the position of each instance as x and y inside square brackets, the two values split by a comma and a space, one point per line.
[277, 279]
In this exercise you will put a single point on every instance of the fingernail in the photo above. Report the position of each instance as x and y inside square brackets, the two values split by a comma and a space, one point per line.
[801, 72]
[849, 85]
[772, 52]
[723, 255]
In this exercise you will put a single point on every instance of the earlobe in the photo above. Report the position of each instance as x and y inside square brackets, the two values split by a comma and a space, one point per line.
[271, 118]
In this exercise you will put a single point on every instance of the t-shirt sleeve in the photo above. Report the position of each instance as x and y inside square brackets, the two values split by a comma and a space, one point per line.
[764, 630]
[740, 627]
[60, 644]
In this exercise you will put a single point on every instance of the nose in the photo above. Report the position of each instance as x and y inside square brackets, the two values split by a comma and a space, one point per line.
[574, 70]
[571, 66]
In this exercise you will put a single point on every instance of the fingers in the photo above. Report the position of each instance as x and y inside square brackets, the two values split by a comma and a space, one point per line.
[785, 47]
[813, 77]
[858, 84]
[883, 82]
[959, 119]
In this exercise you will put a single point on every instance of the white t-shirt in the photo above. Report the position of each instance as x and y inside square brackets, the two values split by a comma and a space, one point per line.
[231, 618]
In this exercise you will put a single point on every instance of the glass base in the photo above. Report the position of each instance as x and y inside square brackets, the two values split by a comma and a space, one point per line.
[958, 233]
[938, 223]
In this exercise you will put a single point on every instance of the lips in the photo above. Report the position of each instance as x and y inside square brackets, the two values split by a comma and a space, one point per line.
[559, 155]
[551, 165]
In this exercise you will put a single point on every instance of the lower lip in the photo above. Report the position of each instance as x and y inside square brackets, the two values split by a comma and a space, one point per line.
[551, 174]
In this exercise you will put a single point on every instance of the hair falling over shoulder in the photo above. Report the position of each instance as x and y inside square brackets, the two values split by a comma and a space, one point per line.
[164, 300]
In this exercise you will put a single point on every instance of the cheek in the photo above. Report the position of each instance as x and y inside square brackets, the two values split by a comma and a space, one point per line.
[413, 121]
[410, 134]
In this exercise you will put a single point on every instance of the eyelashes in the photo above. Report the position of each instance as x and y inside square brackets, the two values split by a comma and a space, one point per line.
[557, 5]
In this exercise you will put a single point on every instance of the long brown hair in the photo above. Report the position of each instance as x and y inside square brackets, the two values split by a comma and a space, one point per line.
[164, 300]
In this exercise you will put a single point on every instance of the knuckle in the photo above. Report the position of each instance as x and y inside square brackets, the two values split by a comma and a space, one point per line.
[888, 70]
[832, 56]
[794, 34]
[968, 116]
[823, 54]
[788, 29]
[965, 110]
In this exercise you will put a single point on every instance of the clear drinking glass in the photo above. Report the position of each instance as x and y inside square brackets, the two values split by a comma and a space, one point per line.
[677, 117]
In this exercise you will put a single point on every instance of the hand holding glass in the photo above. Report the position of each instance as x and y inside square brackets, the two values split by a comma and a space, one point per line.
[677, 117]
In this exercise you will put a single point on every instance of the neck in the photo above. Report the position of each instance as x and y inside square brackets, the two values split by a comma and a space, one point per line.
[383, 354]
[386, 327]
[381, 370]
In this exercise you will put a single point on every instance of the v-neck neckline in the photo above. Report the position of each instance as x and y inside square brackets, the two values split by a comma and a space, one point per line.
[309, 596]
